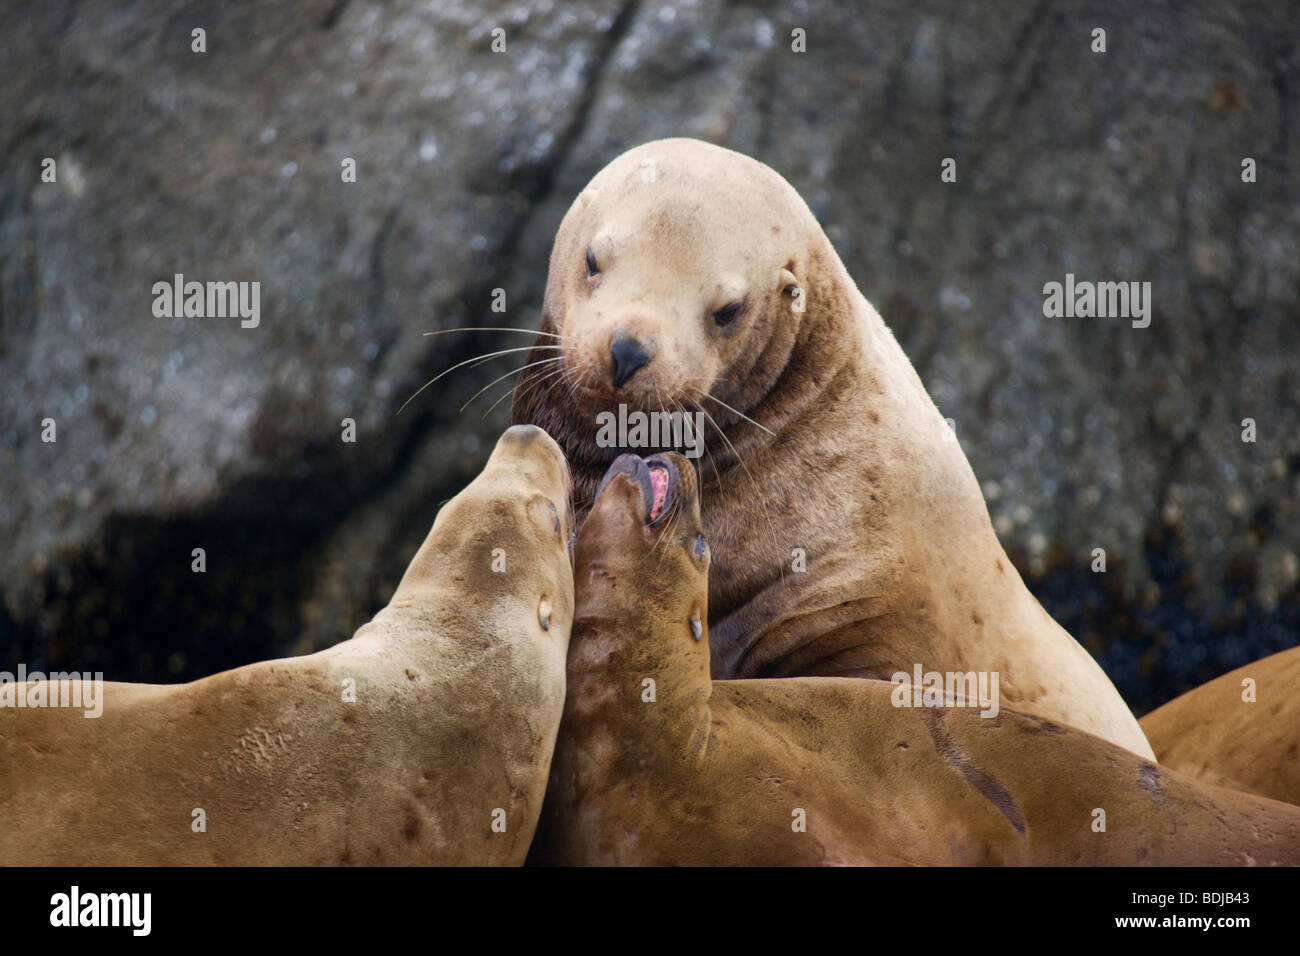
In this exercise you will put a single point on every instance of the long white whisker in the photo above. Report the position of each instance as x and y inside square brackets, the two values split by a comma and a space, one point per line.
[713, 461]
[758, 492]
[741, 414]
[553, 358]
[527, 388]
[476, 358]
[493, 328]
[525, 348]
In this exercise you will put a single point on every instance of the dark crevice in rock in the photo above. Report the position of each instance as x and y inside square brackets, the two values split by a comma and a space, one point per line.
[333, 14]
[1167, 639]
[116, 607]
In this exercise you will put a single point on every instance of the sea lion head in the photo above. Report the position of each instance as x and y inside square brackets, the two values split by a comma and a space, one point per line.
[638, 662]
[500, 550]
[677, 276]
[643, 547]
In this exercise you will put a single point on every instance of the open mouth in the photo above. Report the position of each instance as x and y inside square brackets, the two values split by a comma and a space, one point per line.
[656, 477]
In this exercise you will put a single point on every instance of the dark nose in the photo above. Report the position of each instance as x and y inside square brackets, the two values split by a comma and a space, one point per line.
[628, 355]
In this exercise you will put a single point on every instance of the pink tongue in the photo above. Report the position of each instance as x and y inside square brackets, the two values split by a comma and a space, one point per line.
[659, 482]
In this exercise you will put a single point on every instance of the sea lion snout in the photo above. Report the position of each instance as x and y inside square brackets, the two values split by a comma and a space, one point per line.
[524, 434]
[660, 479]
[524, 437]
[535, 456]
[541, 462]
[645, 525]
[509, 531]
[637, 473]
[629, 352]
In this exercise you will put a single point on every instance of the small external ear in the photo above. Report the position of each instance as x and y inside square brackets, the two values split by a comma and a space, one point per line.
[787, 280]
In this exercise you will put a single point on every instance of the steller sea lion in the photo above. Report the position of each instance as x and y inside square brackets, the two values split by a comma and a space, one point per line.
[1245, 736]
[656, 763]
[426, 738]
[851, 537]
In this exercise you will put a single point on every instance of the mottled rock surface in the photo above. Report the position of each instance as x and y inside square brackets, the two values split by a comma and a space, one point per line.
[176, 434]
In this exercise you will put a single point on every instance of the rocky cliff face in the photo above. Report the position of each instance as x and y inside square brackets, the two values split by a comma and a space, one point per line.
[183, 433]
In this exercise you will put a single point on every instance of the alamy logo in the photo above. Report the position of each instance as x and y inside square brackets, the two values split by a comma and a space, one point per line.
[208, 300]
[953, 689]
[60, 689]
[134, 910]
[666, 430]
[1102, 300]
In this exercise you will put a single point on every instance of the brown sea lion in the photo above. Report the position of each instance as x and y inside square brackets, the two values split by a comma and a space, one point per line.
[850, 535]
[658, 764]
[426, 738]
[1241, 730]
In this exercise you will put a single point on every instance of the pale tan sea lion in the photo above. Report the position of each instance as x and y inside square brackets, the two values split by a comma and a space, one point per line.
[658, 764]
[686, 276]
[441, 757]
[1237, 735]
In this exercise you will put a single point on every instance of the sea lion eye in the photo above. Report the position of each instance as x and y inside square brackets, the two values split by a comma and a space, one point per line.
[728, 312]
[592, 268]
[701, 546]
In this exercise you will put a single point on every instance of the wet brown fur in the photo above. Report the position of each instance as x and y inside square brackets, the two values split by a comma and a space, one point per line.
[459, 693]
[861, 471]
[718, 772]
[1212, 734]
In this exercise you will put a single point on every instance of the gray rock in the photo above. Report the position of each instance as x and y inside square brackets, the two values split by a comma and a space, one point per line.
[175, 434]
